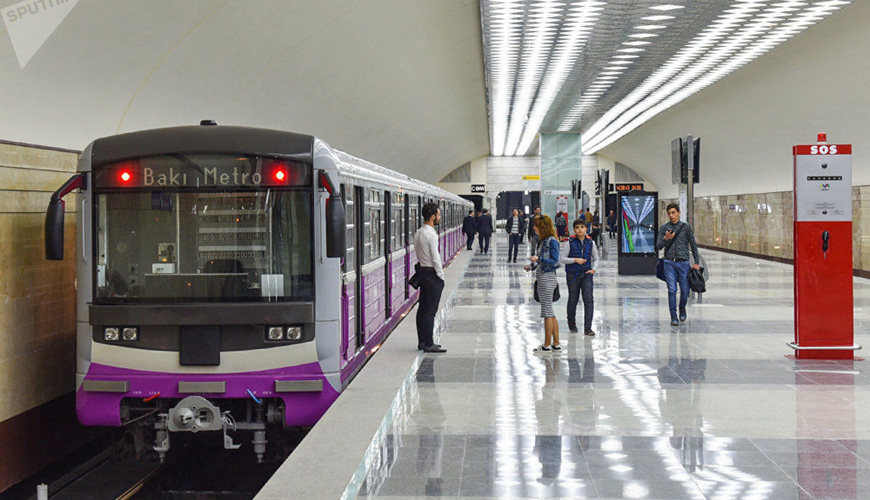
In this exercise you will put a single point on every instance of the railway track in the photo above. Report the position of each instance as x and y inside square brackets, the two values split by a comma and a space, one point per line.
[197, 471]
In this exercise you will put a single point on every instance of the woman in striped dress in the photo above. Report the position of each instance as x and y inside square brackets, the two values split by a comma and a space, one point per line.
[545, 262]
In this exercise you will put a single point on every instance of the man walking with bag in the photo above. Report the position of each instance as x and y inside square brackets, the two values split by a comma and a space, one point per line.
[430, 276]
[677, 239]
[469, 227]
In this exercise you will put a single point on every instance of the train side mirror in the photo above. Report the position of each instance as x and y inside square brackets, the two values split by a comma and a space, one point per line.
[54, 230]
[335, 227]
[55, 214]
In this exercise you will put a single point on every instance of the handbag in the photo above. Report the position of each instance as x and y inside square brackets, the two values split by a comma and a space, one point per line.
[414, 280]
[660, 264]
[556, 294]
[696, 280]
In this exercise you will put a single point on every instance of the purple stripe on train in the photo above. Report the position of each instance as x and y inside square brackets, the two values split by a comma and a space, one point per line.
[301, 408]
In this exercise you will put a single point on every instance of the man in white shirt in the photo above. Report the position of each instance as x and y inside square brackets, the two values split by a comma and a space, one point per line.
[431, 278]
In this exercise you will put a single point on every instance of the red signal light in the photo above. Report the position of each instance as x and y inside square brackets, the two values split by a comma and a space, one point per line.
[280, 175]
[125, 176]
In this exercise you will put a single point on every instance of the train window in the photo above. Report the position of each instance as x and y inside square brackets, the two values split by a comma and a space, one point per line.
[204, 246]
[376, 233]
[350, 237]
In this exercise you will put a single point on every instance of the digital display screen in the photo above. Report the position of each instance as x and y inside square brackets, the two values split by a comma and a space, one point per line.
[638, 221]
[202, 172]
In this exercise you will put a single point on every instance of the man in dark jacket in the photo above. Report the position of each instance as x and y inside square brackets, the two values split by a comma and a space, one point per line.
[533, 236]
[484, 230]
[516, 229]
[469, 227]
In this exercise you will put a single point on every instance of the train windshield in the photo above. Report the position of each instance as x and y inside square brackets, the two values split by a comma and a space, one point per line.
[219, 244]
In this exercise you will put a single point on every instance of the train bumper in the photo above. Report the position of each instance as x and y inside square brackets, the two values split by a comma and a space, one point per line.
[306, 393]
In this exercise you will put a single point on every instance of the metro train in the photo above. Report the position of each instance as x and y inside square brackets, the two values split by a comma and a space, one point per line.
[234, 279]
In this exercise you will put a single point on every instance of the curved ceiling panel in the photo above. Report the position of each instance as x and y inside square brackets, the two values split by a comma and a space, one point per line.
[400, 82]
[749, 121]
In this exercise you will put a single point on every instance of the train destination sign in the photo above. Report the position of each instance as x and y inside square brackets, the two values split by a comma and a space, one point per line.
[629, 186]
[202, 172]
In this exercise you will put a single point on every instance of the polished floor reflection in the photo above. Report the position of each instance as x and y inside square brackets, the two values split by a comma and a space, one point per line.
[709, 410]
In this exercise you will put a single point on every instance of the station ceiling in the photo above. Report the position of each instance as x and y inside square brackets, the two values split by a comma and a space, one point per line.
[419, 86]
[603, 68]
[396, 82]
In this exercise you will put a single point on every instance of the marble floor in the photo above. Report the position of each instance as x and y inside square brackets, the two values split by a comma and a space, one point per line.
[709, 410]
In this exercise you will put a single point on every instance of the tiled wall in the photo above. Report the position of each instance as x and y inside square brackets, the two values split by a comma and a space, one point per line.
[37, 297]
[762, 224]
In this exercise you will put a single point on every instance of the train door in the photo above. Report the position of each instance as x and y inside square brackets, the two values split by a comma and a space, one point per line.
[350, 325]
[388, 253]
[359, 244]
[406, 225]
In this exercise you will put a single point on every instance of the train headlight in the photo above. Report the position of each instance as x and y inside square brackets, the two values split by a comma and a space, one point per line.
[111, 334]
[294, 333]
[275, 333]
[130, 333]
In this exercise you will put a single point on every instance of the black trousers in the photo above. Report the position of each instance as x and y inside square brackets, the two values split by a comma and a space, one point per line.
[470, 237]
[514, 246]
[484, 243]
[431, 287]
[581, 285]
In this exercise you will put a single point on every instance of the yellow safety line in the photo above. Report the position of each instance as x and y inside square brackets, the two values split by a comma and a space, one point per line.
[165, 57]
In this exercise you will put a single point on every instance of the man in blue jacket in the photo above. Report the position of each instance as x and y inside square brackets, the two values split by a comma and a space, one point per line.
[469, 227]
[580, 264]
[484, 230]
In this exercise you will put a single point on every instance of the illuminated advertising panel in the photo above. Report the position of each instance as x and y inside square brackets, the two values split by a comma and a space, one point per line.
[638, 223]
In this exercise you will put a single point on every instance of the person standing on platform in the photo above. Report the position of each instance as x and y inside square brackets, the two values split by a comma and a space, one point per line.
[678, 240]
[516, 228]
[561, 224]
[587, 216]
[580, 265]
[595, 233]
[431, 278]
[545, 263]
[469, 227]
[533, 235]
[611, 224]
[484, 230]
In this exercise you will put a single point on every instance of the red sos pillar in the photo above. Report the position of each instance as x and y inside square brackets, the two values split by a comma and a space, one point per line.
[823, 251]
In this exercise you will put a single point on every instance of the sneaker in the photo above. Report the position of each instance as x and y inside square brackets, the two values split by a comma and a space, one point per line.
[572, 329]
[589, 333]
[556, 348]
[682, 315]
[542, 348]
[675, 322]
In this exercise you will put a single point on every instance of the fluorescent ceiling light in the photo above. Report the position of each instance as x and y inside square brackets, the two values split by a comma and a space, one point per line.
[667, 7]
[642, 35]
[630, 50]
[638, 42]
[650, 27]
[657, 18]
[625, 57]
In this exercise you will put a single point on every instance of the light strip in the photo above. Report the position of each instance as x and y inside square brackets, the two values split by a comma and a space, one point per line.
[690, 71]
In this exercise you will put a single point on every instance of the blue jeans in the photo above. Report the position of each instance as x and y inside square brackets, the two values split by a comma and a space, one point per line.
[514, 246]
[677, 272]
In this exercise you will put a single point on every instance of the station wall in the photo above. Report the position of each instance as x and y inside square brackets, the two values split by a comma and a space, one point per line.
[37, 309]
[761, 224]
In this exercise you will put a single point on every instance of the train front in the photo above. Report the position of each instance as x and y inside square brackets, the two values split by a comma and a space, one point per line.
[196, 285]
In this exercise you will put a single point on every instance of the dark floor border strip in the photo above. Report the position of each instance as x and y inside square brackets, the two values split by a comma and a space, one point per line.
[860, 273]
